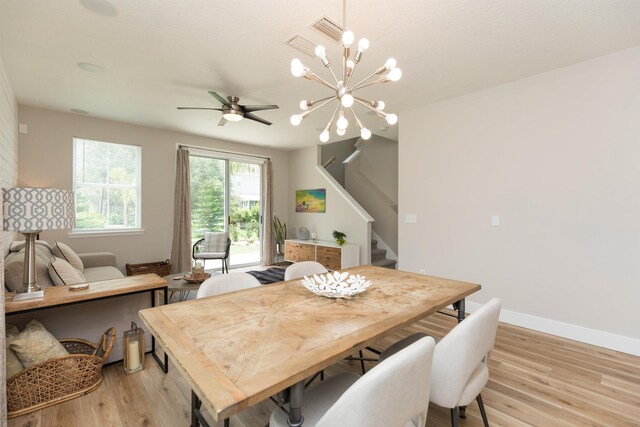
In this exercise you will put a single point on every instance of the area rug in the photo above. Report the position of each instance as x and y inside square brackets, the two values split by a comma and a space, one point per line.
[270, 275]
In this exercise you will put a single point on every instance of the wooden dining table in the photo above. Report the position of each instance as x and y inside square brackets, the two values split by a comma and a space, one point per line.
[240, 348]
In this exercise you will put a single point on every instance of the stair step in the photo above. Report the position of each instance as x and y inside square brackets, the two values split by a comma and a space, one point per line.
[378, 254]
[374, 243]
[389, 263]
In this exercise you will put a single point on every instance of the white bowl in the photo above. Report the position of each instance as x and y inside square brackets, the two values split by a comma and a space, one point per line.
[336, 284]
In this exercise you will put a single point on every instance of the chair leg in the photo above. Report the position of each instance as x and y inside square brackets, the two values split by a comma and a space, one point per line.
[463, 412]
[455, 414]
[485, 421]
[362, 362]
[226, 422]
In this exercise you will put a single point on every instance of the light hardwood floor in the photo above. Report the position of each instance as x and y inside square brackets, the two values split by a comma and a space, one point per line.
[535, 380]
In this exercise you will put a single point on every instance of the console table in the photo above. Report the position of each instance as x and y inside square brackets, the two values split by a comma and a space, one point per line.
[58, 296]
[329, 254]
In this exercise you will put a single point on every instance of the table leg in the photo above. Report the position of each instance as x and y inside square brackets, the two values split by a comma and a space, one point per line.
[165, 365]
[461, 308]
[295, 405]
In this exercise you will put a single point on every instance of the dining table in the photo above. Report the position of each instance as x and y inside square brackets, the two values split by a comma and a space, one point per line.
[240, 348]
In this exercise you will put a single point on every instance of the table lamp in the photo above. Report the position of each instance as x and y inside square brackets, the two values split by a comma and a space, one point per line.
[30, 211]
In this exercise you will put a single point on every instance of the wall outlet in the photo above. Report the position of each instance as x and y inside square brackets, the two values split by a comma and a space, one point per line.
[422, 271]
[411, 218]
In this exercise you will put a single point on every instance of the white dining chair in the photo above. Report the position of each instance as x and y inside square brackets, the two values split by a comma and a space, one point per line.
[222, 283]
[303, 268]
[395, 393]
[460, 370]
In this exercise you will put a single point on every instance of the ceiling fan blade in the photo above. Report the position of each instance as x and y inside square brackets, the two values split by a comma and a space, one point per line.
[250, 108]
[219, 98]
[222, 122]
[199, 108]
[256, 118]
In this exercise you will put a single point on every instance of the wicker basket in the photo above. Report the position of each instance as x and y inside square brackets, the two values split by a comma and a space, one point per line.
[161, 268]
[60, 379]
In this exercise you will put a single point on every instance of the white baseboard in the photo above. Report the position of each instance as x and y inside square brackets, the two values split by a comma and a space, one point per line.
[566, 330]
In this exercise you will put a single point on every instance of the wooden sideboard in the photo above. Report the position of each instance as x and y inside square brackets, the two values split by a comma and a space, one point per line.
[329, 254]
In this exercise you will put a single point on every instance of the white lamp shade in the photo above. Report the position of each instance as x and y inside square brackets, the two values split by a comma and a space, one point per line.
[37, 209]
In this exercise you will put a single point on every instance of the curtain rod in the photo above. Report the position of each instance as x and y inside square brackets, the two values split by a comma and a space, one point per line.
[224, 151]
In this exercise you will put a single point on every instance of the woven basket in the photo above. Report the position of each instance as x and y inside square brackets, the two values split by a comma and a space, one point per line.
[161, 268]
[59, 379]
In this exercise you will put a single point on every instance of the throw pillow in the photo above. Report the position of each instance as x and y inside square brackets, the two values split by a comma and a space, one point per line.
[63, 273]
[13, 363]
[14, 271]
[35, 345]
[63, 251]
[215, 242]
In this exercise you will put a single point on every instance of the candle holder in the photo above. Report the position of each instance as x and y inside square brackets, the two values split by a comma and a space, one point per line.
[133, 348]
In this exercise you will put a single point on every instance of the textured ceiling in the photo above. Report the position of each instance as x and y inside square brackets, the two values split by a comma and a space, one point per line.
[160, 54]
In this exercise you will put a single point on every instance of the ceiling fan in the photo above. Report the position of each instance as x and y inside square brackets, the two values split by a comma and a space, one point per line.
[234, 112]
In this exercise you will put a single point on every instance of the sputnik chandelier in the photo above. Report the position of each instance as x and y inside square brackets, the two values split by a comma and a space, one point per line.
[343, 90]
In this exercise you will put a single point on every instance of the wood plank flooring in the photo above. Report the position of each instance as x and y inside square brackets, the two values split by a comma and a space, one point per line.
[535, 380]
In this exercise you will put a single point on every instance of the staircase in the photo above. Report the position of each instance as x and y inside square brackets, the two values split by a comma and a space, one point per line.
[378, 256]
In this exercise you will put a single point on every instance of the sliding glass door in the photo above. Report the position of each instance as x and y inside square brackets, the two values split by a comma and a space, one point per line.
[225, 196]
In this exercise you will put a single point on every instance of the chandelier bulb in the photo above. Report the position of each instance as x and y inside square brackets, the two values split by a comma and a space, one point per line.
[365, 133]
[363, 44]
[324, 136]
[297, 68]
[347, 100]
[379, 105]
[347, 38]
[341, 132]
[351, 64]
[320, 51]
[304, 104]
[296, 119]
[390, 64]
[392, 119]
[394, 75]
[342, 122]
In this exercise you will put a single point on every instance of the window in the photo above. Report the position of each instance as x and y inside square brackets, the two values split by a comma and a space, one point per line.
[106, 184]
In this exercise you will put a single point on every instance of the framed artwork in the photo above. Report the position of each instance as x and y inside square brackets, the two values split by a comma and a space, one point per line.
[311, 201]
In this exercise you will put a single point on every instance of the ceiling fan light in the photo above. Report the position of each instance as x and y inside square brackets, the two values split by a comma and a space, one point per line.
[232, 117]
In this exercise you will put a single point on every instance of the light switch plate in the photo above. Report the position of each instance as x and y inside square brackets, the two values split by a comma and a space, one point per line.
[23, 128]
[411, 218]
[495, 219]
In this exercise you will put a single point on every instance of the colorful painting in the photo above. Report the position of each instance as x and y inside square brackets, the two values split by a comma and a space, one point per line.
[312, 201]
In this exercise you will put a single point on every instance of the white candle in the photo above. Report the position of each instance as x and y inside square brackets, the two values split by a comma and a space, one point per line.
[134, 356]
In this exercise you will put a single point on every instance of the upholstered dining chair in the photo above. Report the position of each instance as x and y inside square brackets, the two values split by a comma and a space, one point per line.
[214, 245]
[460, 370]
[223, 283]
[303, 268]
[395, 393]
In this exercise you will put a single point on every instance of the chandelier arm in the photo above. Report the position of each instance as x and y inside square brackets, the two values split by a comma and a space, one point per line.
[358, 122]
[365, 103]
[355, 64]
[360, 85]
[370, 76]
[332, 73]
[333, 116]
[320, 80]
[306, 113]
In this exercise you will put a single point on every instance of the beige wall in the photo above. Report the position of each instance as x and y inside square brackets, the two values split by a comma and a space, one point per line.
[342, 213]
[8, 178]
[45, 155]
[557, 156]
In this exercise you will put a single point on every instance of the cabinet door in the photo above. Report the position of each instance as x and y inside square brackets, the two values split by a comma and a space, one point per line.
[291, 251]
[329, 257]
[306, 252]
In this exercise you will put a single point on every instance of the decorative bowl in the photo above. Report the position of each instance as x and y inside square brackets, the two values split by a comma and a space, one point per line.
[336, 284]
[189, 278]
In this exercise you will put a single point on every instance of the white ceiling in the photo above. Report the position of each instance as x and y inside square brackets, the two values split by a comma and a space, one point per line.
[160, 54]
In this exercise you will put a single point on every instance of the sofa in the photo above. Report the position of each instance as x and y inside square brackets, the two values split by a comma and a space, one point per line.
[87, 320]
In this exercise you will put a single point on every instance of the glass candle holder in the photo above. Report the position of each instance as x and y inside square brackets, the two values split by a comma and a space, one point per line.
[133, 342]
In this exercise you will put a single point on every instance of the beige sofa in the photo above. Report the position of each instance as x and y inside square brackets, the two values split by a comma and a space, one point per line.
[87, 320]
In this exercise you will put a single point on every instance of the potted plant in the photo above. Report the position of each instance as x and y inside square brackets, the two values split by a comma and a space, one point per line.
[340, 237]
[279, 234]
